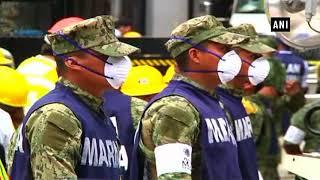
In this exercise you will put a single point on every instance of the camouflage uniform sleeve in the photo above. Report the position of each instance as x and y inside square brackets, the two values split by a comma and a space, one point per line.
[137, 108]
[54, 134]
[297, 120]
[11, 149]
[255, 112]
[293, 103]
[169, 120]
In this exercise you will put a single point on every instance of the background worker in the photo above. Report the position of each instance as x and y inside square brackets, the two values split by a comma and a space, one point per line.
[13, 97]
[41, 75]
[143, 82]
[265, 116]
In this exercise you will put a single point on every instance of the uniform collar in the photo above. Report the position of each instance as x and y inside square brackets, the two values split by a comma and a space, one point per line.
[234, 91]
[89, 99]
[180, 77]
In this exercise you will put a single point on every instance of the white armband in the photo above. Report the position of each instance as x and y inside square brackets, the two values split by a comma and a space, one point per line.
[173, 158]
[294, 135]
[260, 175]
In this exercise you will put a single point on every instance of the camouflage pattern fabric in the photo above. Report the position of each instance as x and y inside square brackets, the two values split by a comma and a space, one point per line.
[254, 45]
[95, 33]
[11, 148]
[312, 141]
[292, 103]
[255, 111]
[171, 119]
[137, 108]
[197, 30]
[54, 134]
[270, 41]
[265, 120]
[276, 76]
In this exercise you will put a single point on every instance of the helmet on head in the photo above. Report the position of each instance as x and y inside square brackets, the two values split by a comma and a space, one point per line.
[14, 87]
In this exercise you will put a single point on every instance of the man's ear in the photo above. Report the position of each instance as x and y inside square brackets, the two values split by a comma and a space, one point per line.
[194, 55]
[72, 63]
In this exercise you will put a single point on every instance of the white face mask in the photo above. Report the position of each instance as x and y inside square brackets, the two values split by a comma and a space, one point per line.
[258, 71]
[117, 70]
[229, 66]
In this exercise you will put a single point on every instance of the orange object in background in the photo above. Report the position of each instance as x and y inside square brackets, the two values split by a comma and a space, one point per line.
[64, 23]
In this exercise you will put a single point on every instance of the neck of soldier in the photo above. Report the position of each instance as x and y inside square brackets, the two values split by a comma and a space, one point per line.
[207, 81]
[90, 86]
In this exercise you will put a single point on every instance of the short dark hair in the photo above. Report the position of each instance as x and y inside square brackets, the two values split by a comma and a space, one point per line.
[61, 67]
[9, 109]
[182, 60]
[60, 60]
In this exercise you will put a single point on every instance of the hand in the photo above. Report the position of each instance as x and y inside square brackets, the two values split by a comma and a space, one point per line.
[292, 87]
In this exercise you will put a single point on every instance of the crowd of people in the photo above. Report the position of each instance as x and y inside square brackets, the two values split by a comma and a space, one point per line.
[79, 110]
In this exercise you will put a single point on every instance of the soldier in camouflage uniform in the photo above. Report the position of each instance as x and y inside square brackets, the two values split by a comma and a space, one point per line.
[296, 81]
[171, 122]
[66, 135]
[263, 110]
[231, 95]
[298, 132]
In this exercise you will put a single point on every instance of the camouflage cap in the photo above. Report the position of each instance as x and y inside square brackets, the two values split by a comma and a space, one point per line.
[96, 33]
[254, 45]
[197, 30]
[277, 75]
[269, 40]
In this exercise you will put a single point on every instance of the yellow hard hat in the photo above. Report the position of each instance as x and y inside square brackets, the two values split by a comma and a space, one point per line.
[169, 74]
[14, 87]
[132, 34]
[41, 75]
[6, 58]
[143, 80]
[39, 66]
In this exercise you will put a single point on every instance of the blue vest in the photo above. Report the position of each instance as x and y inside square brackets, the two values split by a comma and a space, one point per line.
[219, 157]
[294, 65]
[99, 146]
[243, 134]
[118, 107]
